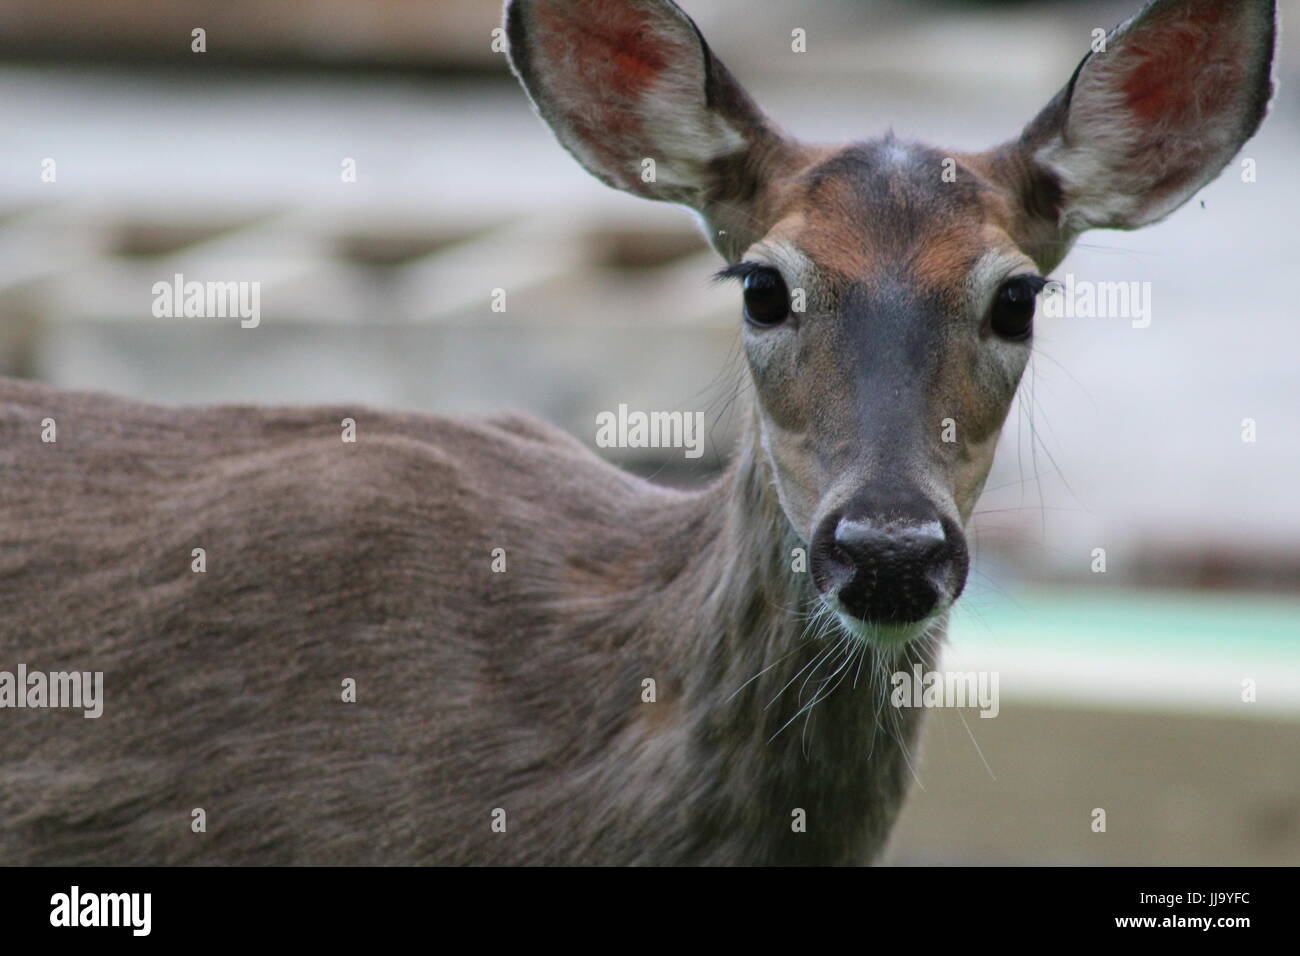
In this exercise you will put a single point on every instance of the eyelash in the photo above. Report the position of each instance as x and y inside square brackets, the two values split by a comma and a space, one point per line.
[739, 271]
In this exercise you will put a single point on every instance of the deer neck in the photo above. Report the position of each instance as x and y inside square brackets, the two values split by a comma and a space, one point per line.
[779, 703]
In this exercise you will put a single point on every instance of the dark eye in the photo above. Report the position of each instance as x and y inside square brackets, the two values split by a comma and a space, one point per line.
[766, 300]
[1013, 307]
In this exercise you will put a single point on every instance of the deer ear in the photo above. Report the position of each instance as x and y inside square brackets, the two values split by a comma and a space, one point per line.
[631, 89]
[1155, 114]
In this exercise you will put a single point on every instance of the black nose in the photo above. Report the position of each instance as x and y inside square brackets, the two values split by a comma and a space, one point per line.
[895, 569]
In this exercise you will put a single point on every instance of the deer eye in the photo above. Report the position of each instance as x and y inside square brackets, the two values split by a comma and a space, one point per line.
[1013, 307]
[766, 300]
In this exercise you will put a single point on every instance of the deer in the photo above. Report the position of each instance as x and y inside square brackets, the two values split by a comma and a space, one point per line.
[634, 683]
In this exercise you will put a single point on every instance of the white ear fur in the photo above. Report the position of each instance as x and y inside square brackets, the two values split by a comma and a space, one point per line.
[1201, 69]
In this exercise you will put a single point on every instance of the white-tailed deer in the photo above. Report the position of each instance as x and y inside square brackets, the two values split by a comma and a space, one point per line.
[502, 715]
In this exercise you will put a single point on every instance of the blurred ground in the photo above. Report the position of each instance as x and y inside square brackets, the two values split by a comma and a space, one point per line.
[1178, 790]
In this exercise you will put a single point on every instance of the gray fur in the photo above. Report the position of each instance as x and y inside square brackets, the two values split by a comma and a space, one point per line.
[476, 690]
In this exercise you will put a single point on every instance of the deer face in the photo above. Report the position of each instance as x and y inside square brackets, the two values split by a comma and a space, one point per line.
[887, 317]
[888, 288]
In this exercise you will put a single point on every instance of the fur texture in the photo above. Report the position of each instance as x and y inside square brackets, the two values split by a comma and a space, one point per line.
[1158, 115]
[476, 690]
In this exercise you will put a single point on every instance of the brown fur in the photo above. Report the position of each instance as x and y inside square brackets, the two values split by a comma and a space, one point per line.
[372, 560]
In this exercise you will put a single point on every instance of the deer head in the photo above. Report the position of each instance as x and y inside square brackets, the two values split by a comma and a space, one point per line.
[889, 287]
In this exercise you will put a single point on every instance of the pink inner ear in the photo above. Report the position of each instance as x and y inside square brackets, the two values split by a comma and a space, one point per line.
[613, 45]
[604, 58]
[1188, 67]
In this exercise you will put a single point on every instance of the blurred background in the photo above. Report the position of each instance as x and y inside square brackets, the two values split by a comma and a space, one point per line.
[1121, 689]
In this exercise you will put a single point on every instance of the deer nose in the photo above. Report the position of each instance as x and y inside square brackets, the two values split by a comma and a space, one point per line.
[894, 570]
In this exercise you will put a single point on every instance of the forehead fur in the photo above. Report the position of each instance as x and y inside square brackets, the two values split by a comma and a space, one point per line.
[888, 204]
